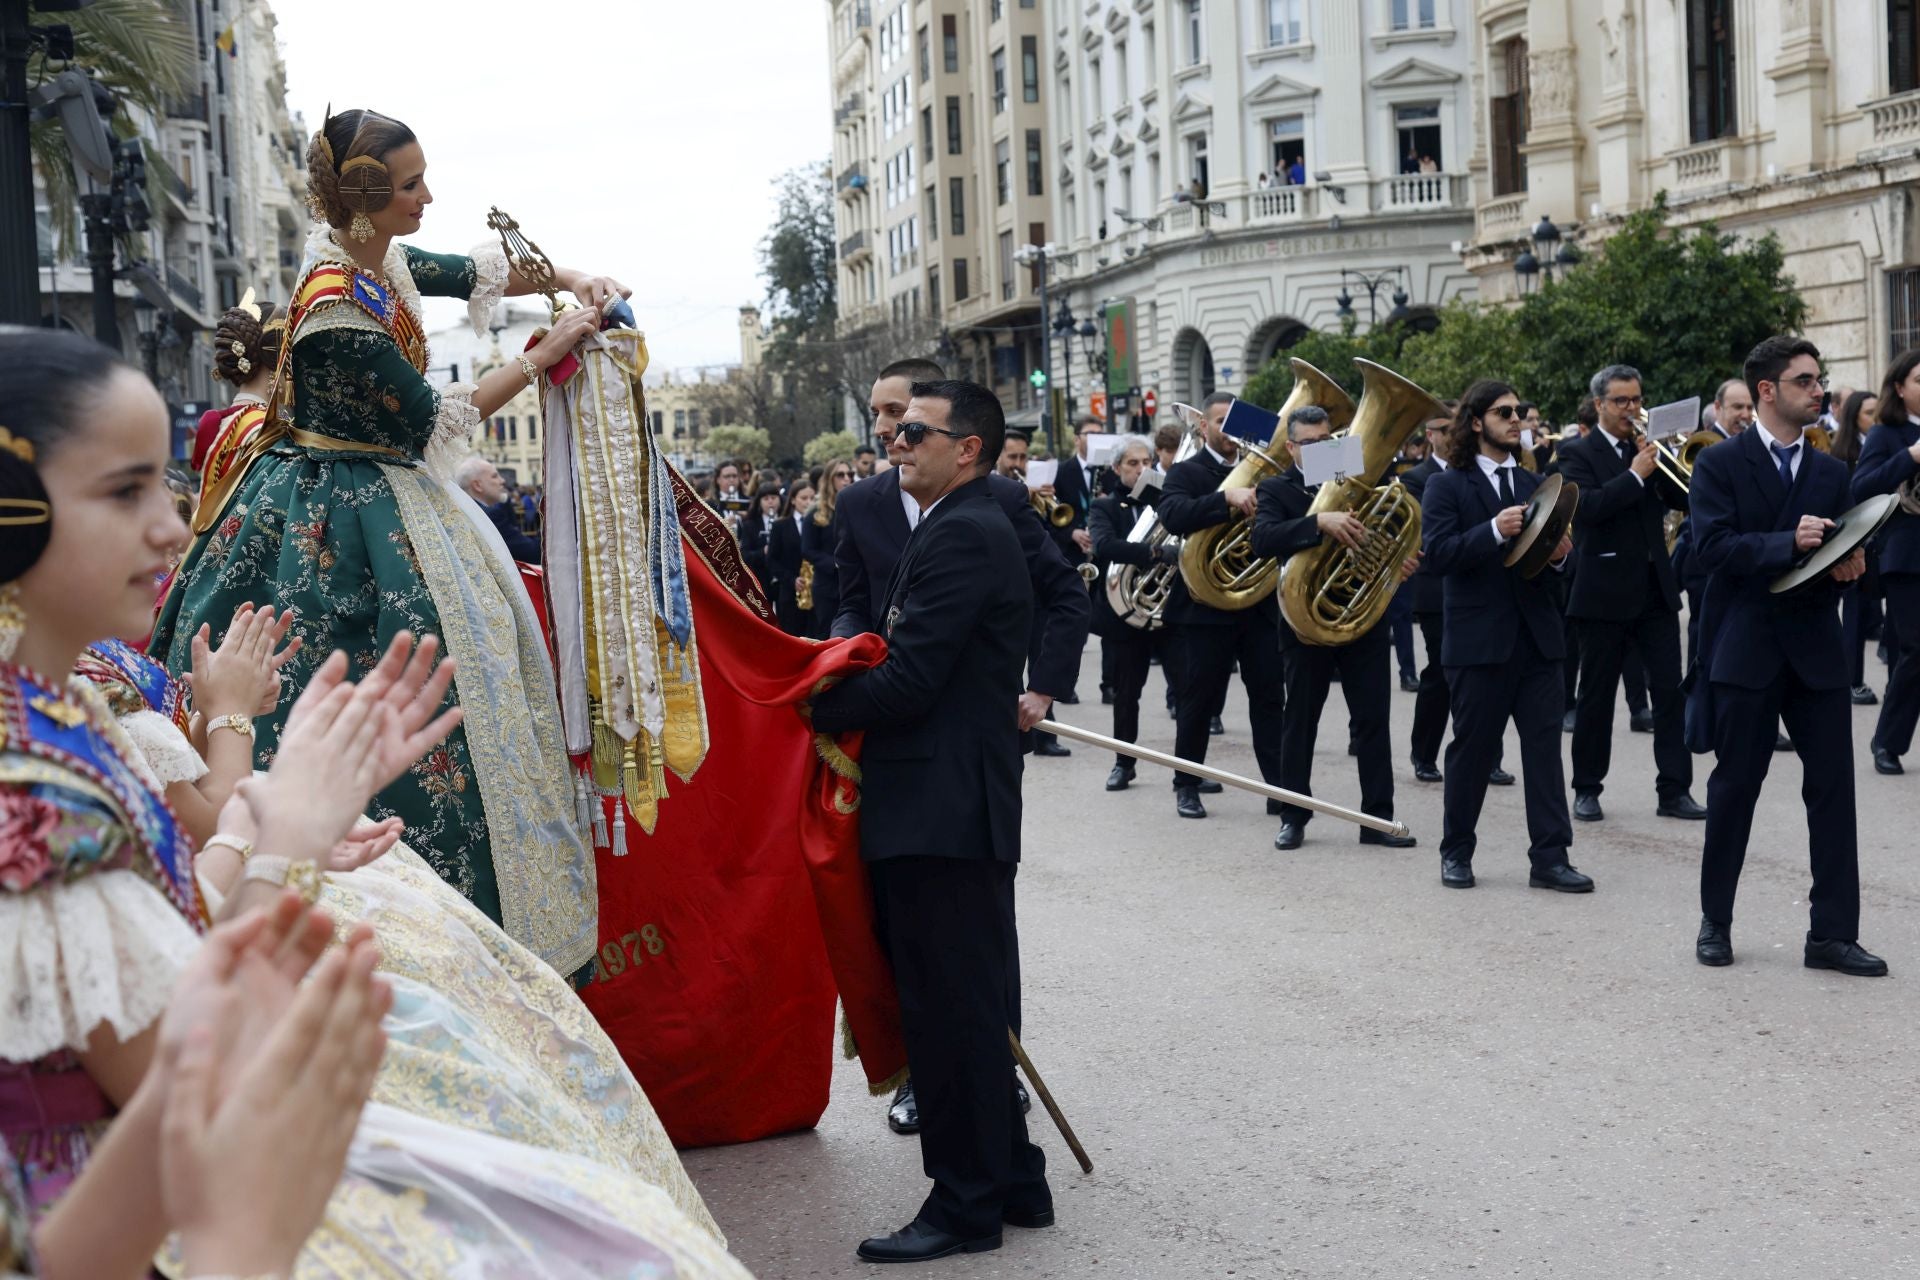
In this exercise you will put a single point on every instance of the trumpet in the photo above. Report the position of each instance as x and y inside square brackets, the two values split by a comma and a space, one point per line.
[1057, 514]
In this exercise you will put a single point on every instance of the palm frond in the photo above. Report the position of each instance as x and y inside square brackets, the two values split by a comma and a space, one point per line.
[141, 49]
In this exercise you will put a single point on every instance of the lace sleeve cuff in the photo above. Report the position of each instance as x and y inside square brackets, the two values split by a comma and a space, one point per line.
[104, 949]
[168, 754]
[454, 420]
[489, 284]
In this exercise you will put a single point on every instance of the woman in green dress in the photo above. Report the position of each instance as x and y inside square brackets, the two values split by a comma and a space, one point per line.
[346, 515]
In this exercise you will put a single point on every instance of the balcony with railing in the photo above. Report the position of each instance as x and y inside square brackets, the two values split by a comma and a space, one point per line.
[853, 246]
[1708, 165]
[1411, 192]
[1280, 204]
[1502, 217]
[854, 104]
[851, 178]
[187, 106]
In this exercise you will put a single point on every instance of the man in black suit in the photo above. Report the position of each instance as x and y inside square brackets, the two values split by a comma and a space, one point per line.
[1625, 597]
[872, 520]
[1889, 458]
[1761, 501]
[1282, 528]
[940, 822]
[1210, 640]
[1077, 486]
[1502, 644]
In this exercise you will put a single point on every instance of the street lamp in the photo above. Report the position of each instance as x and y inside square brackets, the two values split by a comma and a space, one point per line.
[1088, 332]
[1373, 283]
[1548, 249]
[1063, 330]
[1042, 257]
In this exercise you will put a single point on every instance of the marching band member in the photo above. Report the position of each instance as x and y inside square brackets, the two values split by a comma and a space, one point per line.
[1430, 700]
[1209, 639]
[1624, 596]
[1502, 644]
[1077, 485]
[1890, 458]
[1758, 503]
[1126, 651]
[1282, 527]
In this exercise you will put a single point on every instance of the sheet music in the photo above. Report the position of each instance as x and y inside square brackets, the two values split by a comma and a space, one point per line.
[1042, 472]
[1681, 418]
[1330, 459]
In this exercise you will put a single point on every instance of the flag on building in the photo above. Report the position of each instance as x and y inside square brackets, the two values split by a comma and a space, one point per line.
[224, 42]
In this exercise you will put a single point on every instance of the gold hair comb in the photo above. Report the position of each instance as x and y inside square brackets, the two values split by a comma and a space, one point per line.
[15, 445]
[248, 305]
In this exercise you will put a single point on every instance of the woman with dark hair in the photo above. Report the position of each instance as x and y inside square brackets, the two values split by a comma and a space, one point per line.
[1889, 462]
[343, 510]
[246, 349]
[1856, 419]
[784, 559]
[816, 544]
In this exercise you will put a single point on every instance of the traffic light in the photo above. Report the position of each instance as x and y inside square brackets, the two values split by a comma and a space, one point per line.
[1038, 378]
[130, 209]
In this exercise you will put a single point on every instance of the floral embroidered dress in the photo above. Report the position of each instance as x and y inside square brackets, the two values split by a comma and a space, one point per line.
[352, 521]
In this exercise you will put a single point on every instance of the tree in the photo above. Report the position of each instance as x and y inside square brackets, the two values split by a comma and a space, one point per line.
[799, 258]
[751, 443]
[823, 449]
[1332, 354]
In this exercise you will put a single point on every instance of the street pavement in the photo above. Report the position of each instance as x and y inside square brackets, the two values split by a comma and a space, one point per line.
[1324, 1064]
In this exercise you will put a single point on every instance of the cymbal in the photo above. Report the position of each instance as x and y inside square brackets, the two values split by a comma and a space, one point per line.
[1849, 532]
[1549, 514]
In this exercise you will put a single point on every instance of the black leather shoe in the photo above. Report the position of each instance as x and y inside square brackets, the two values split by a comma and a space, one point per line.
[1050, 746]
[1409, 684]
[1499, 777]
[1885, 761]
[1292, 835]
[904, 1115]
[1208, 787]
[1214, 727]
[1566, 722]
[1456, 874]
[1781, 742]
[1715, 944]
[1682, 806]
[1864, 697]
[1275, 808]
[1020, 1092]
[1562, 878]
[1844, 957]
[1186, 802]
[1586, 806]
[1424, 771]
[1030, 1219]
[1369, 836]
[918, 1242]
[1641, 722]
[1106, 695]
[1119, 777]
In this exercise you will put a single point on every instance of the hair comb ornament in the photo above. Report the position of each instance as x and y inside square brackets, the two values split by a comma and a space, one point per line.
[248, 305]
[17, 446]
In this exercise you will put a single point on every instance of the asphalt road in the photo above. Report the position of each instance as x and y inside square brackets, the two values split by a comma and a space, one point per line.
[1324, 1064]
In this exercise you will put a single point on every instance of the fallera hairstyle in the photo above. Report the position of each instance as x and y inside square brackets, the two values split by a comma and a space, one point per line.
[913, 369]
[971, 410]
[1463, 442]
[1893, 410]
[49, 378]
[344, 137]
[1846, 436]
[1766, 362]
[1597, 386]
[1307, 415]
[1218, 397]
[258, 338]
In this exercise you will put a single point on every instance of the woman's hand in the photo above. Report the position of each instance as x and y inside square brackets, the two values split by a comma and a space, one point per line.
[242, 675]
[327, 768]
[364, 844]
[567, 333]
[597, 291]
[409, 684]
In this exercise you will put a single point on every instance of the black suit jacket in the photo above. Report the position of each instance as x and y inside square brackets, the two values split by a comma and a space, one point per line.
[1425, 583]
[870, 528]
[783, 566]
[521, 546]
[816, 546]
[1070, 487]
[941, 761]
[1190, 500]
[1618, 531]
[1282, 528]
[1484, 603]
[1884, 465]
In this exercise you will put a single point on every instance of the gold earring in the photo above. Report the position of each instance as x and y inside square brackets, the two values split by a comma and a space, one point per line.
[361, 228]
[13, 620]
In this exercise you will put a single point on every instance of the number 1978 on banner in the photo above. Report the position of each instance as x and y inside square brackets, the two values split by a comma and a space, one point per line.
[632, 949]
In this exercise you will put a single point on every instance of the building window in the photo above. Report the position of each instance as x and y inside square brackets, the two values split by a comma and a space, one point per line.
[1126, 187]
[1121, 92]
[1196, 32]
[1413, 15]
[957, 210]
[1096, 106]
[1507, 120]
[926, 133]
[926, 56]
[933, 289]
[1197, 166]
[997, 11]
[959, 279]
[1006, 266]
[679, 422]
[1029, 69]
[1148, 50]
[953, 126]
[1903, 49]
[693, 422]
[1100, 207]
[1002, 170]
[1283, 22]
[999, 81]
[1417, 125]
[1036, 165]
[933, 215]
[1710, 69]
[1287, 150]
[950, 44]
[1154, 194]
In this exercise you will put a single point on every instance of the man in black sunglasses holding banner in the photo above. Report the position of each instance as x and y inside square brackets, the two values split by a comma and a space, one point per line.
[940, 820]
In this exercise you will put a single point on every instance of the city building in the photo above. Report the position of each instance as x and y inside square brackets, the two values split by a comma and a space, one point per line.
[1227, 175]
[1796, 117]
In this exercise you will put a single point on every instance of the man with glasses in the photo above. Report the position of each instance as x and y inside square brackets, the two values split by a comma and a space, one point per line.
[1760, 502]
[1625, 597]
[940, 821]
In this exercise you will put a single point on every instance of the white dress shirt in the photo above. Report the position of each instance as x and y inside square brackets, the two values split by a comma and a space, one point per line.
[1796, 449]
[1490, 469]
[912, 507]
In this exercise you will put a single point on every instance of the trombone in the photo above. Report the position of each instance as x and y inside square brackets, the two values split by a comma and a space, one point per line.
[1665, 460]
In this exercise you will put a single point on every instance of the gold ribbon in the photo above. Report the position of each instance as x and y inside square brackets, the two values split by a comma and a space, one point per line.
[334, 444]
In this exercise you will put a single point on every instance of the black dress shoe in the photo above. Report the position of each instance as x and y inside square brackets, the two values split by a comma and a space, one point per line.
[1641, 722]
[1844, 957]
[1586, 806]
[918, 1242]
[1781, 742]
[1566, 722]
[1031, 1219]
[1864, 697]
[1423, 771]
[1050, 746]
[1409, 684]
[1186, 802]
[1208, 787]
[1106, 695]
[1885, 761]
[1562, 878]
[1214, 726]
[904, 1115]
[1682, 806]
[1020, 1092]
[1499, 777]
[1715, 944]
[1291, 836]
[1119, 777]
[1369, 836]
[1456, 874]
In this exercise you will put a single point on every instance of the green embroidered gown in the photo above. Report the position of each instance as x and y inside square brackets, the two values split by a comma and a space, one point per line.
[361, 545]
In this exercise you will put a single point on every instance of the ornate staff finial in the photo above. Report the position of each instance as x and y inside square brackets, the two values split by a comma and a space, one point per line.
[526, 257]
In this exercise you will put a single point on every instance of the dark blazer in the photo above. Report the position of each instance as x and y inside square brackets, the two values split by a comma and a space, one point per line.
[816, 547]
[1070, 487]
[1190, 500]
[870, 528]
[521, 546]
[1282, 528]
[1109, 524]
[753, 547]
[1743, 522]
[941, 761]
[783, 564]
[1618, 530]
[1425, 583]
[1484, 603]
[1884, 464]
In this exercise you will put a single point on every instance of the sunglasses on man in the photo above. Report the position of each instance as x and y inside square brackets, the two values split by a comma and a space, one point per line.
[916, 432]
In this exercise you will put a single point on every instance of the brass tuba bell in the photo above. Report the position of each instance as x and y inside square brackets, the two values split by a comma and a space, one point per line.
[1334, 594]
[1218, 564]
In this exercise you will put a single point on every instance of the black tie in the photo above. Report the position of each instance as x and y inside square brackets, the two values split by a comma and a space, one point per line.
[1626, 451]
[1506, 485]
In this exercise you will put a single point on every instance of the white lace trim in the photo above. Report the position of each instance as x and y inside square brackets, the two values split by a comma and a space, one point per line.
[489, 284]
[166, 751]
[322, 247]
[103, 949]
[453, 427]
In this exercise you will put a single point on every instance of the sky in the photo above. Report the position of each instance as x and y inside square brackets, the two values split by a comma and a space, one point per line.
[639, 139]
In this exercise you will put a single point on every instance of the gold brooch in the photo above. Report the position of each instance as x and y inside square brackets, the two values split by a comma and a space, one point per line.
[15, 445]
[64, 714]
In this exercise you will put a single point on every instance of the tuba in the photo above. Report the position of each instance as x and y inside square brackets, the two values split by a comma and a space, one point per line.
[1334, 594]
[1217, 564]
[1139, 596]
